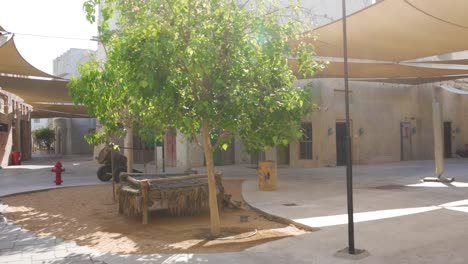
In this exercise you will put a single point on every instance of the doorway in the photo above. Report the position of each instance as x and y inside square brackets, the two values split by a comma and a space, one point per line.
[405, 135]
[340, 143]
[447, 139]
[170, 150]
[226, 157]
[220, 156]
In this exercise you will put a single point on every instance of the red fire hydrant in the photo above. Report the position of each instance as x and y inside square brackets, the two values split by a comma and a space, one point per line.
[58, 169]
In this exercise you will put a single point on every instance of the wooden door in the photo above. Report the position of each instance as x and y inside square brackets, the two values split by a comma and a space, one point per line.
[228, 157]
[170, 150]
[220, 156]
[447, 139]
[405, 133]
[340, 144]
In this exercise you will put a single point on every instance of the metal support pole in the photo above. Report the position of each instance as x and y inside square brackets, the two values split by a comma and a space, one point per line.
[349, 163]
[164, 154]
[156, 155]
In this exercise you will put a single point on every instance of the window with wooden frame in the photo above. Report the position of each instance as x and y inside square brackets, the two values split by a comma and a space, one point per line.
[305, 143]
[3, 127]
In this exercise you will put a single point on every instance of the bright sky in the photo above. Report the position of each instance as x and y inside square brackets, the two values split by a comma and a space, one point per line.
[62, 18]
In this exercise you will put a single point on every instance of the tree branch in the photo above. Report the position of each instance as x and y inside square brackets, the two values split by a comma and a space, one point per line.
[195, 139]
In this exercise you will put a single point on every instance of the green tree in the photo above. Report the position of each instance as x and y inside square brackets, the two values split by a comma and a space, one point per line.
[102, 88]
[111, 94]
[45, 137]
[209, 66]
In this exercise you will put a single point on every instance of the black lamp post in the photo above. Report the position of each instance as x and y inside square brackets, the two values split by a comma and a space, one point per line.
[349, 163]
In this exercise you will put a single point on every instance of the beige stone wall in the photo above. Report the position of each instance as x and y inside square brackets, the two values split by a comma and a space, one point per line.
[70, 136]
[454, 109]
[378, 110]
[189, 154]
[463, 112]
[241, 155]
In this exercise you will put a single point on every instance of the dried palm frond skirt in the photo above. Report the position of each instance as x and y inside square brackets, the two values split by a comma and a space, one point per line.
[185, 197]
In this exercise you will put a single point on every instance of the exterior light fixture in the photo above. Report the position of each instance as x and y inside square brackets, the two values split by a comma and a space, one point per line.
[361, 131]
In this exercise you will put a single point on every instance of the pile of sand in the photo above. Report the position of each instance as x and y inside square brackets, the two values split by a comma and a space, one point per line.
[89, 216]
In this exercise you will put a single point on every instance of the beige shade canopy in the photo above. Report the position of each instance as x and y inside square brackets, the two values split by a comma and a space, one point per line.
[391, 30]
[49, 98]
[380, 70]
[383, 70]
[398, 30]
[11, 62]
[37, 90]
[415, 81]
[58, 110]
[454, 90]
[20, 78]
[457, 62]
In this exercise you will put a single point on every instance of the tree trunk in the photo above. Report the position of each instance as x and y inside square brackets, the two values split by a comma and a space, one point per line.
[129, 149]
[207, 148]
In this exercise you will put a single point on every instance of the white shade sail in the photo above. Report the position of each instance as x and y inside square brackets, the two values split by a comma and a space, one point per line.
[398, 30]
[11, 62]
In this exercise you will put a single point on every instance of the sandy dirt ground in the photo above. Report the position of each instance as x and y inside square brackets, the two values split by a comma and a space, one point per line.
[89, 216]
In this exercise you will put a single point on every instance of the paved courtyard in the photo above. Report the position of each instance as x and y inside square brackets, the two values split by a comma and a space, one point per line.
[398, 218]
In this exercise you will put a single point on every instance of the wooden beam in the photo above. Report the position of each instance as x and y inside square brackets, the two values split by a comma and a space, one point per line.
[144, 187]
[179, 178]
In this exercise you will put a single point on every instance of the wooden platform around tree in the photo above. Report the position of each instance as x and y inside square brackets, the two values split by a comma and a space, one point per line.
[181, 194]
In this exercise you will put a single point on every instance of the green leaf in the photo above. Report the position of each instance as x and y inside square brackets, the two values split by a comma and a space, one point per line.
[224, 146]
[144, 83]
[275, 140]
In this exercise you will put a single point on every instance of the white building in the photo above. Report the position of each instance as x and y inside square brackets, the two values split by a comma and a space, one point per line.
[38, 123]
[67, 64]
[70, 132]
[327, 11]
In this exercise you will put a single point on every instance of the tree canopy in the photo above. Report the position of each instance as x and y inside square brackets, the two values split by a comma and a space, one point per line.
[204, 67]
[45, 137]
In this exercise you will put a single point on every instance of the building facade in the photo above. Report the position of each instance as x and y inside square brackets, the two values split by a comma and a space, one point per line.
[70, 132]
[66, 65]
[15, 127]
[389, 122]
